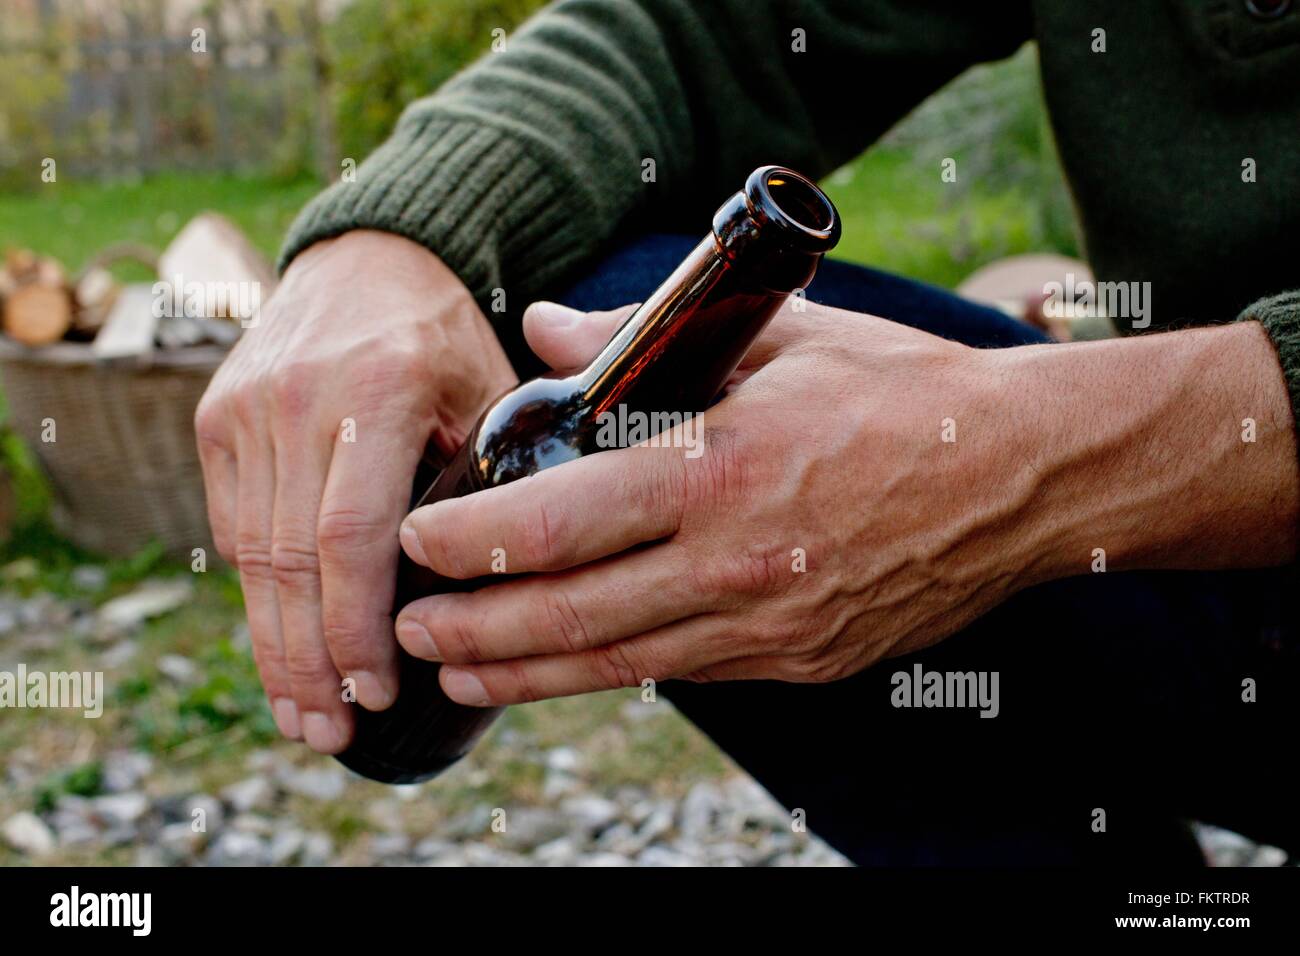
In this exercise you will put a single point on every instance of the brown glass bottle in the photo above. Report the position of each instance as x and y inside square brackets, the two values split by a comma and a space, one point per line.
[673, 355]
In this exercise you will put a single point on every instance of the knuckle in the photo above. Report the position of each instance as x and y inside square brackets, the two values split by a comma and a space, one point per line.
[519, 677]
[340, 529]
[253, 557]
[615, 668]
[211, 422]
[291, 389]
[293, 563]
[461, 636]
[566, 624]
[540, 535]
[753, 570]
[721, 473]
[667, 493]
[349, 642]
[309, 674]
[245, 404]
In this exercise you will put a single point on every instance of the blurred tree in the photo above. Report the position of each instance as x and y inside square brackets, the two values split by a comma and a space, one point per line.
[386, 53]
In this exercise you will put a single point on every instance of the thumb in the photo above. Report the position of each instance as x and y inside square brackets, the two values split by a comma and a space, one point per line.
[566, 338]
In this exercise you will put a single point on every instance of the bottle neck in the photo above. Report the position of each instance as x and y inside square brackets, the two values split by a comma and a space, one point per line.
[654, 336]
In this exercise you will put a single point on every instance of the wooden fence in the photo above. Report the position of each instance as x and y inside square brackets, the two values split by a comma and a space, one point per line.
[123, 87]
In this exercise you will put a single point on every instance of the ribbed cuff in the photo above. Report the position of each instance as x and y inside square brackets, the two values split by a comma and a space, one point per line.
[1280, 316]
[476, 196]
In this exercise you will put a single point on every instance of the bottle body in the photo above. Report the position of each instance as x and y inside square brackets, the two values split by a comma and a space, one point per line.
[669, 360]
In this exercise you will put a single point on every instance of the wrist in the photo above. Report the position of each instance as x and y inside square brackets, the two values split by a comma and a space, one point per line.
[1174, 450]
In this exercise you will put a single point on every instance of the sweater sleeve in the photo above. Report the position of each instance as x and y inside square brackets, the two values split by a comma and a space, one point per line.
[524, 166]
[1280, 316]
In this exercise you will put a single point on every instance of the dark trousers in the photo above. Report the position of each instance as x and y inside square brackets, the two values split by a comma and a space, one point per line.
[1120, 694]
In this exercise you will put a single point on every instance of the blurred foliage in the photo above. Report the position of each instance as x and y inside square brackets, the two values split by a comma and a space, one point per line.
[386, 53]
[34, 84]
[993, 121]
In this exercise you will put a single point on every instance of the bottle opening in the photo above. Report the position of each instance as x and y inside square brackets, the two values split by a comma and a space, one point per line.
[794, 205]
[801, 201]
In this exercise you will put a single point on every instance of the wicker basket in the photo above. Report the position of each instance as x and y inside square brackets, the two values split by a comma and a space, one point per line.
[123, 465]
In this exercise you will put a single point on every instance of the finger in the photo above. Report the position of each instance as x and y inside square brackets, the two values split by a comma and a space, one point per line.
[558, 613]
[301, 461]
[254, 502]
[366, 495]
[558, 518]
[681, 648]
[566, 338]
[220, 489]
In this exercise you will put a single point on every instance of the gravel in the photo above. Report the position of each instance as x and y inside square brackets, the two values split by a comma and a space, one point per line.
[287, 807]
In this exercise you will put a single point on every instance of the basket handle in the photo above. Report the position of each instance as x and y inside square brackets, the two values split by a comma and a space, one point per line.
[120, 252]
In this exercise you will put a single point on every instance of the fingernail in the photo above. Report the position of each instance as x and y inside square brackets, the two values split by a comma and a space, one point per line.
[285, 712]
[555, 315]
[322, 734]
[372, 692]
[463, 687]
[411, 544]
[417, 641]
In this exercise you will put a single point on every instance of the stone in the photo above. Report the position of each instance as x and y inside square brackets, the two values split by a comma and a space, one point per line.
[255, 793]
[124, 769]
[238, 849]
[564, 760]
[178, 669]
[432, 847]
[27, 833]
[561, 851]
[1269, 856]
[211, 819]
[699, 810]
[323, 783]
[253, 823]
[286, 845]
[558, 783]
[120, 809]
[179, 841]
[118, 655]
[150, 599]
[317, 849]
[89, 577]
[603, 860]
[386, 846]
[663, 856]
[592, 814]
[529, 827]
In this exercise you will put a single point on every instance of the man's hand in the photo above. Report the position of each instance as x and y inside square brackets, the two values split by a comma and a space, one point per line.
[866, 491]
[309, 436]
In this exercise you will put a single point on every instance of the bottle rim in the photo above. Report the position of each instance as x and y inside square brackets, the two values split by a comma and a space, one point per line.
[795, 204]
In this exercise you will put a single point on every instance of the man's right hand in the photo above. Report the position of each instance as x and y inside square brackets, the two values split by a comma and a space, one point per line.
[309, 435]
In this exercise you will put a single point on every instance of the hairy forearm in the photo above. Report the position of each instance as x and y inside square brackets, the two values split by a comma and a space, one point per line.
[1174, 450]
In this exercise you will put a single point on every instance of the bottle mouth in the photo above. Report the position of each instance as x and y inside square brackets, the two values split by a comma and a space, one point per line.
[796, 205]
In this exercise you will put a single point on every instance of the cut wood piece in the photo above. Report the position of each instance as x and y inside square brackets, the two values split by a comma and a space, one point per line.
[36, 314]
[37, 302]
[20, 264]
[131, 325]
[214, 271]
[95, 293]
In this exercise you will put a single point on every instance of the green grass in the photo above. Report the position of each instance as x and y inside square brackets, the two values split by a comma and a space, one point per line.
[900, 217]
[72, 221]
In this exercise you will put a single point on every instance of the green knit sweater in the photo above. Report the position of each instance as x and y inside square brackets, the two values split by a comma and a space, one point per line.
[1177, 121]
